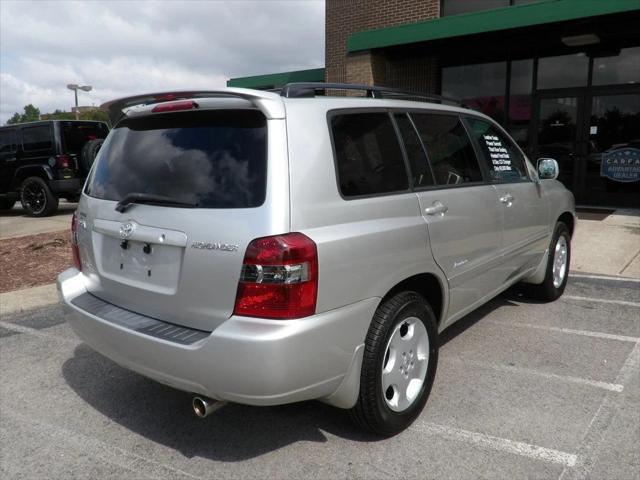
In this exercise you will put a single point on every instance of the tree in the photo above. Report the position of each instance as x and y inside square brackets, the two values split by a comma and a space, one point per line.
[31, 114]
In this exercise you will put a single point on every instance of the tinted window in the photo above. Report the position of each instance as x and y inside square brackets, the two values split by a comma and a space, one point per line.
[482, 86]
[422, 175]
[76, 134]
[450, 152]
[214, 159]
[563, 71]
[7, 141]
[37, 137]
[368, 154]
[503, 160]
[622, 68]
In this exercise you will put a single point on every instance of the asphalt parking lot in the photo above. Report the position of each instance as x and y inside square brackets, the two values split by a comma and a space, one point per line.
[523, 390]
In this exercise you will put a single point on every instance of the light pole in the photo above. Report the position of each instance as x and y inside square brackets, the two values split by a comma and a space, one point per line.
[75, 88]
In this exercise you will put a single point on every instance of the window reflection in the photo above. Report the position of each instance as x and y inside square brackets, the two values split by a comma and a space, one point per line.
[481, 86]
[622, 68]
[520, 91]
[563, 71]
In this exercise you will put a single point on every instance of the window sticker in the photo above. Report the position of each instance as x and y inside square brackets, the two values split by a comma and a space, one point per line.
[499, 155]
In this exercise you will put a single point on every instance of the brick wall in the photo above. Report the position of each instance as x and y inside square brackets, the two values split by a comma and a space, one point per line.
[344, 17]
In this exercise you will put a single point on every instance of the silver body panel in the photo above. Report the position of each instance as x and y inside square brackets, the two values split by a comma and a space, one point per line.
[366, 246]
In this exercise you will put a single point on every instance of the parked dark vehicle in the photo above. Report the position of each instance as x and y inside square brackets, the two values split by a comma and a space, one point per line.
[41, 162]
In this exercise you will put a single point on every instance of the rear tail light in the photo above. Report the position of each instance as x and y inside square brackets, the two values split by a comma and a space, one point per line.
[279, 278]
[63, 161]
[75, 251]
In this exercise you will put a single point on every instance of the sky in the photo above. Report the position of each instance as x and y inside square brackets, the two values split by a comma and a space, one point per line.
[123, 48]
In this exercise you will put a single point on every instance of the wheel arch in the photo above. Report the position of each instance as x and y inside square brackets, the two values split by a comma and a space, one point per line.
[429, 286]
[27, 171]
[569, 220]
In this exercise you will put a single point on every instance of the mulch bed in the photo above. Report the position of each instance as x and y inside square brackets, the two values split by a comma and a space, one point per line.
[33, 260]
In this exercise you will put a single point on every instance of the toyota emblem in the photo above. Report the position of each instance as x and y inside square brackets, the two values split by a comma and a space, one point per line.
[126, 229]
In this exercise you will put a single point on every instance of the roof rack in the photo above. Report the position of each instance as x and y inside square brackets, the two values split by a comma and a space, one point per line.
[311, 89]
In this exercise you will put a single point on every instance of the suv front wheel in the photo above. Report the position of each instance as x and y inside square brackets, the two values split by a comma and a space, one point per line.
[399, 364]
[37, 198]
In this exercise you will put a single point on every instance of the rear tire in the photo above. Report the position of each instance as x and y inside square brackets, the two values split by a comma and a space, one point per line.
[88, 154]
[557, 272]
[6, 204]
[398, 366]
[37, 198]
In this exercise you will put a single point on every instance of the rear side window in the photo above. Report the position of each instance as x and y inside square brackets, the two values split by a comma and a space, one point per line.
[503, 160]
[449, 149]
[7, 141]
[76, 134]
[368, 156]
[38, 137]
[215, 159]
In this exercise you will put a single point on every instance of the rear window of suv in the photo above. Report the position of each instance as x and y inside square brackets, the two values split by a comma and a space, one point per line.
[215, 159]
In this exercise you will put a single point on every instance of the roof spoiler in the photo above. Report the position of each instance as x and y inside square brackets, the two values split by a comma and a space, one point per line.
[267, 102]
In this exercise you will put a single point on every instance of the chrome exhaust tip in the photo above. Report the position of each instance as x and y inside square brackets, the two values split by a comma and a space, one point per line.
[203, 406]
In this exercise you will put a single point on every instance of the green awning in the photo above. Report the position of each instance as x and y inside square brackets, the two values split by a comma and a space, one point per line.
[275, 80]
[547, 11]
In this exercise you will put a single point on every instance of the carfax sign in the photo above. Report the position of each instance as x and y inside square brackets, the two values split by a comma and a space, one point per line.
[621, 164]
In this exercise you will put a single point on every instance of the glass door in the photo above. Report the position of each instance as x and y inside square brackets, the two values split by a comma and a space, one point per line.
[613, 162]
[559, 134]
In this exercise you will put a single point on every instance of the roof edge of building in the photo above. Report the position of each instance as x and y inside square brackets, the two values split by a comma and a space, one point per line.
[273, 80]
[517, 16]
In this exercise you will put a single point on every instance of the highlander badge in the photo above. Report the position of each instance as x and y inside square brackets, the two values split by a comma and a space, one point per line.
[225, 247]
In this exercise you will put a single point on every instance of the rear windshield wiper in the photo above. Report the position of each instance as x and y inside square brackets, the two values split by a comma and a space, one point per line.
[131, 198]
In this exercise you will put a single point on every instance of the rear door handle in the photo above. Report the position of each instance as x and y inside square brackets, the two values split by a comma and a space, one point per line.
[508, 199]
[436, 209]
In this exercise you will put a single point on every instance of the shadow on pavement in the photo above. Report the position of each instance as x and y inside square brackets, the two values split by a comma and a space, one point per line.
[164, 415]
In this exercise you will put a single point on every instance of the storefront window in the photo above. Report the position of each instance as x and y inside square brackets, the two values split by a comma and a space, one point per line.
[613, 168]
[481, 86]
[622, 68]
[563, 71]
[454, 7]
[520, 91]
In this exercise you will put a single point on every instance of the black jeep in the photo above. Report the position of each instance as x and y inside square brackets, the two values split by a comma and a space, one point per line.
[41, 162]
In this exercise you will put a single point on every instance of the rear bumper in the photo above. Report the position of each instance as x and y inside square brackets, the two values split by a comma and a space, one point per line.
[69, 185]
[244, 360]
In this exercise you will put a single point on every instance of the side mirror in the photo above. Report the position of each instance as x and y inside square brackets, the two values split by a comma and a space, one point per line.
[548, 169]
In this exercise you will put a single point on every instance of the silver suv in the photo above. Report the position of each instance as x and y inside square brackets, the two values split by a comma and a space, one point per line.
[266, 248]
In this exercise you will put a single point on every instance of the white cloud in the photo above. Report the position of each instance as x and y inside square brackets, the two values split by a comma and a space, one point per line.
[122, 48]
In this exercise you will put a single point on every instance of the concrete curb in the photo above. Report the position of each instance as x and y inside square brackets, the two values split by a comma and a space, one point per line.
[28, 299]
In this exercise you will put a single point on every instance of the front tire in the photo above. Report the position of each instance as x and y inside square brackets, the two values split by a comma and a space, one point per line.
[557, 272]
[398, 366]
[37, 198]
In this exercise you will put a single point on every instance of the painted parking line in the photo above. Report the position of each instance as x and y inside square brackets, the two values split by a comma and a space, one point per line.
[604, 277]
[601, 300]
[601, 421]
[611, 387]
[500, 444]
[570, 331]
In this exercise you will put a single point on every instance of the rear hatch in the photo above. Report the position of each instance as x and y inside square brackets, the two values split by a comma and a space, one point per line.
[177, 253]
